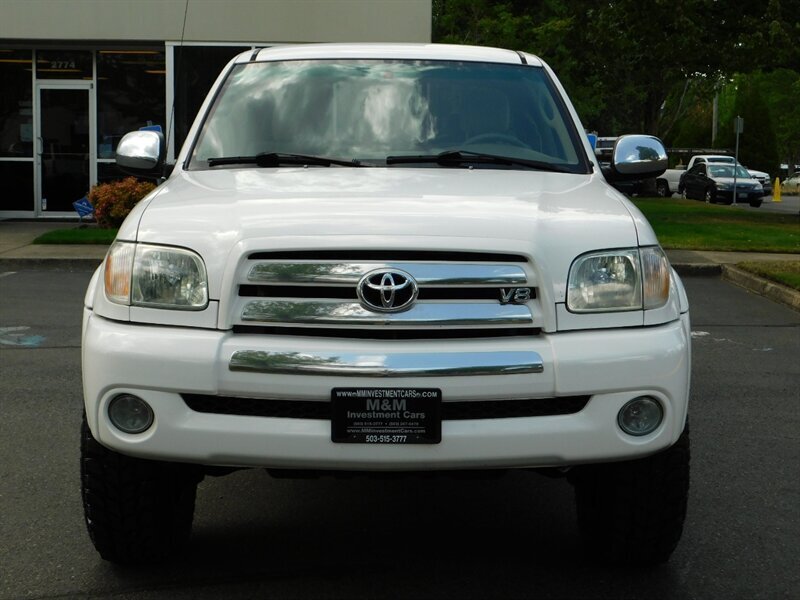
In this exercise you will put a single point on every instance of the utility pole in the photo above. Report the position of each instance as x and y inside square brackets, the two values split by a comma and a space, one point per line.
[715, 114]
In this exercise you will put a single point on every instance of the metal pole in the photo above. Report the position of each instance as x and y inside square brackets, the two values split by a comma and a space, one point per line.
[736, 157]
[714, 112]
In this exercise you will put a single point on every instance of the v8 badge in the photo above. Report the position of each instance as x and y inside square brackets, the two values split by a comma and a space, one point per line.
[515, 295]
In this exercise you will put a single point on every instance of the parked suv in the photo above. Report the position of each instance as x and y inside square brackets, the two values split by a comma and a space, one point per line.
[386, 258]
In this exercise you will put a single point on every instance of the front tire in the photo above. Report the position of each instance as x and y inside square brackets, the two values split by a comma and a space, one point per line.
[662, 188]
[710, 195]
[137, 511]
[632, 513]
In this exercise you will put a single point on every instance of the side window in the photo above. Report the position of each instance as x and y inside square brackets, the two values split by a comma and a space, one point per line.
[698, 169]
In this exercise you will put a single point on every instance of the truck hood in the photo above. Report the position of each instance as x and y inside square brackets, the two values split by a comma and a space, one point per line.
[739, 180]
[550, 217]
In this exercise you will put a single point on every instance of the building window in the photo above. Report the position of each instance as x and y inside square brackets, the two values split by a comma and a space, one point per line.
[17, 178]
[16, 129]
[64, 64]
[130, 94]
[196, 70]
[16, 103]
[109, 171]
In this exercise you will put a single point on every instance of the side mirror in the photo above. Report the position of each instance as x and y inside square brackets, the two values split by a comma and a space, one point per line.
[141, 153]
[636, 157]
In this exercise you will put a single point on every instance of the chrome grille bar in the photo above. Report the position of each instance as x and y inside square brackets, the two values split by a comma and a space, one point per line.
[422, 364]
[424, 273]
[433, 314]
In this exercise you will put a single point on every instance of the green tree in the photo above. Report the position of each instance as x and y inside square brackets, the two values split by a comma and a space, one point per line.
[635, 66]
[780, 90]
[758, 147]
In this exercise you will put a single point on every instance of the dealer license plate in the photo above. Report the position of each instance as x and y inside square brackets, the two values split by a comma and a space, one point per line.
[386, 415]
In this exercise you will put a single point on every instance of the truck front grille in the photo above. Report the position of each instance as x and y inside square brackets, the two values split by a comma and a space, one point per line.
[317, 293]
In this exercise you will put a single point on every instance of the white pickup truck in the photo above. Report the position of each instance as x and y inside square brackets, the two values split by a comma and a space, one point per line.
[669, 182]
[386, 258]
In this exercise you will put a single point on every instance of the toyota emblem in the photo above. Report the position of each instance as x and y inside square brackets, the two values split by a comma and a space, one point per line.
[387, 290]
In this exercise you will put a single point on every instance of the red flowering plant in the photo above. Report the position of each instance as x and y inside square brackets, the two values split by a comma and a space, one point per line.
[114, 200]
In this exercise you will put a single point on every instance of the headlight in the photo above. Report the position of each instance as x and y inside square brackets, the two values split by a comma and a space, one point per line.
[618, 280]
[655, 277]
[725, 186]
[155, 276]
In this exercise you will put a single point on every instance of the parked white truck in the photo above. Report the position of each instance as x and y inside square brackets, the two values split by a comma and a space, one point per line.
[386, 258]
[669, 182]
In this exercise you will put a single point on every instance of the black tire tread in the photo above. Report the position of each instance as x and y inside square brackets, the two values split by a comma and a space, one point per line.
[137, 511]
[632, 513]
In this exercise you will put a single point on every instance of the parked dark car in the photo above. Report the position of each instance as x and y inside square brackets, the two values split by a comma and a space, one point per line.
[714, 183]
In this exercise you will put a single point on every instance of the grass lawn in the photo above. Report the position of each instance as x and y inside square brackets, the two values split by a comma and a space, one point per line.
[691, 225]
[87, 235]
[787, 273]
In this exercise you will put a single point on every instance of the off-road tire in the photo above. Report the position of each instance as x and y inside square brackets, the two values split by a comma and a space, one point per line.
[137, 511]
[631, 513]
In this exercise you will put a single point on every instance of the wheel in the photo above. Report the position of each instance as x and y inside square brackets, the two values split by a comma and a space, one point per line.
[710, 195]
[756, 202]
[632, 513]
[662, 189]
[499, 137]
[137, 511]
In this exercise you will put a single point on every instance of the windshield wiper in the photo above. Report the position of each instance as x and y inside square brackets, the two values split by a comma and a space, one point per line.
[459, 157]
[275, 159]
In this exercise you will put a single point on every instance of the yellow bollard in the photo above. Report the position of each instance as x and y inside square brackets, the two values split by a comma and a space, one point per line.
[776, 190]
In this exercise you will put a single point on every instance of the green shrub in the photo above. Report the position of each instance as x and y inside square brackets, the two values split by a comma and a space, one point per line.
[113, 201]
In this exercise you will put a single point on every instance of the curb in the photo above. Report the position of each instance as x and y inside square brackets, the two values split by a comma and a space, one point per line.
[759, 285]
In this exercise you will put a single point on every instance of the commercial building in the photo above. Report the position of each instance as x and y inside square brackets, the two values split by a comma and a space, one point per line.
[76, 75]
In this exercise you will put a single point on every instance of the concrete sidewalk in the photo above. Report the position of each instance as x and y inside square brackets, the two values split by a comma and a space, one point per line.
[18, 252]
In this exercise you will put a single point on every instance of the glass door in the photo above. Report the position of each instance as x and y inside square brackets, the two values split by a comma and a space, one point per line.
[63, 146]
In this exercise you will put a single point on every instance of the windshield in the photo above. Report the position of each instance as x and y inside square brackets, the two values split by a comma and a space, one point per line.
[727, 171]
[366, 110]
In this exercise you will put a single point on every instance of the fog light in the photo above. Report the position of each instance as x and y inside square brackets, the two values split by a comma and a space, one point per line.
[640, 416]
[130, 413]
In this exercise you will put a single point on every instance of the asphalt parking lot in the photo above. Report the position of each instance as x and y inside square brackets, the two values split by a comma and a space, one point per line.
[512, 537]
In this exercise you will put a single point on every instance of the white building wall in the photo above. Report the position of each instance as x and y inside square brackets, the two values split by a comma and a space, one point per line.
[217, 20]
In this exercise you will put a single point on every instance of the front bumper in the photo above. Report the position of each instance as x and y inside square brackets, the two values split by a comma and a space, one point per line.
[161, 363]
[741, 196]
